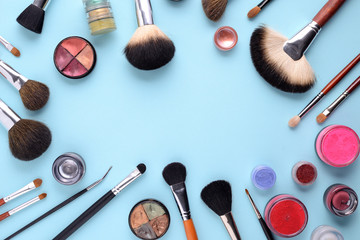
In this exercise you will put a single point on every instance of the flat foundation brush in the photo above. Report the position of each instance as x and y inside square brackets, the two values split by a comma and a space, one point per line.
[29, 187]
[32, 17]
[98, 205]
[10, 47]
[218, 197]
[175, 174]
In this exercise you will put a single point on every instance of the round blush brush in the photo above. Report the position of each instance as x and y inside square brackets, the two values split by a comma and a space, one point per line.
[149, 48]
[256, 10]
[174, 175]
[34, 95]
[214, 9]
[28, 139]
[31, 186]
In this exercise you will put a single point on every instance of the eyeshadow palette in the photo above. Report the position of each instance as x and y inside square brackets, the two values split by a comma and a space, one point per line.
[149, 219]
[74, 57]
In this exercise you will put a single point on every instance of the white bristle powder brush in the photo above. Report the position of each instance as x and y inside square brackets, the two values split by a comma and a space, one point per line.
[31, 186]
[10, 47]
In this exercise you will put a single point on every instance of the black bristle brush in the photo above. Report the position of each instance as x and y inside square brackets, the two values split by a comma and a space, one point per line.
[34, 95]
[149, 48]
[33, 16]
[281, 62]
[174, 175]
[28, 139]
[218, 197]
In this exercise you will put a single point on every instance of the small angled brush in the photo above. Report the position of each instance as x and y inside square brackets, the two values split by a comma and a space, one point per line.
[214, 9]
[255, 11]
[22, 206]
[99, 204]
[218, 197]
[61, 205]
[34, 95]
[175, 174]
[33, 16]
[31, 186]
[10, 47]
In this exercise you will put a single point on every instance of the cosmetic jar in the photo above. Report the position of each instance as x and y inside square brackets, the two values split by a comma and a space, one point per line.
[100, 16]
[149, 219]
[225, 38]
[325, 232]
[263, 177]
[304, 173]
[337, 145]
[340, 200]
[68, 168]
[286, 216]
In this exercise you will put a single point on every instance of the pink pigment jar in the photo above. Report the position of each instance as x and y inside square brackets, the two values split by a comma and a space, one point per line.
[338, 145]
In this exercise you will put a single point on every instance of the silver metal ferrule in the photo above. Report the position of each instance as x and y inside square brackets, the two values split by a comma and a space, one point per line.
[335, 104]
[6, 44]
[41, 3]
[15, 78]
[297, 45]
[98, 181]
[230, 225]
[124, 183]
[24, 205]
[311, 104]
[20, 192]
[181, 198]
[8, 117]
[144, 12]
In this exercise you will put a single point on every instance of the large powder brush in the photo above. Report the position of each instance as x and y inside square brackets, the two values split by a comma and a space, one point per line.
[33, 16]
[214, 9]
[281, 62]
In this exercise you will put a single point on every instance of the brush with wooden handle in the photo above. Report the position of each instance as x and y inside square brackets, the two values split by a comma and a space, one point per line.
[31, 186]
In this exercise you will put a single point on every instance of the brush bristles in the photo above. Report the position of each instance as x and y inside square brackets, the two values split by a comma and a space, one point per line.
[15, 52]
[34, 95]
[214, 9]
[294, 121]
[218, 197]
[321, 118]
[42, 196]
[32, 18]
[275, 66]
[174, 173]
[253, 12]
[149, 48]
[37, 182]
[29, 139]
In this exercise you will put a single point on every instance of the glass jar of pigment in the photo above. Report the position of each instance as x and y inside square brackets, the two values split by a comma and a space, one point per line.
[100, 16]
[304, 173]
[286, 216]
[263, 177]
[340, 200]
[337, 145]
[68, 168]
[325, 232]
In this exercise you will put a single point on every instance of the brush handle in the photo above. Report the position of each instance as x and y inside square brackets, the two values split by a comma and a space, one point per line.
[353, 86]
[4, 216]
[2, 202]
[15, 78]
[85, 216]
[230, 226]
[8, 117]
[328, 11]
[190, 230]
[266, 229]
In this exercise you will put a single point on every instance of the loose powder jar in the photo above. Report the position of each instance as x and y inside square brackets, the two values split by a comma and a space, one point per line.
[325, 232]
[263, 177]
[68, 168]
[304, 173]
[341, 200]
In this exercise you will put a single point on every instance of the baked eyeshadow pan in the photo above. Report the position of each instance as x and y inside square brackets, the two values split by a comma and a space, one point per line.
[74, 57]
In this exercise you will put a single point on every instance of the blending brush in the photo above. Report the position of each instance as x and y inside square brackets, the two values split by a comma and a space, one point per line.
[265, 228]
[31, 186]
[22, 206]
[99, 204]
[214, 9]
[281, 62]
[61, 205]
[149, 48]
[296, 119]
[34, 95]
[10, 47]
[33, 16]
[28, 139]
[218, 197]
[328, 111]
[175, 174]
[255, 11]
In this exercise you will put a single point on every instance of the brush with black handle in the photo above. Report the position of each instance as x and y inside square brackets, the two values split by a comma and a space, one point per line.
[99, 204]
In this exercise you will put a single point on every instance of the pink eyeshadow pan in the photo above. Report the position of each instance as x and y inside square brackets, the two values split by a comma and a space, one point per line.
[75, 68]
[74, 45]
[63, 58]
[86, 57]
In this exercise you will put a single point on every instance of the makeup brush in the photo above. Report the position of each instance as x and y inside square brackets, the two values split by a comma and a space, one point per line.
[175, 174]
[61, 205]
[28, 139]
[31, 186]
[218, 197]
[99, 204]
[34, 95]
[281, 62]
[328, 111]
[33, 16]
[214, 9]
[10, 47]
[22, 206]
[296, 119]
[149, 48]
[255, 11]
[265, 228]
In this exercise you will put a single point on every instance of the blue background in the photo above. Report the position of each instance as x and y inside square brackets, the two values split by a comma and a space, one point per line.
[208, 109]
